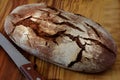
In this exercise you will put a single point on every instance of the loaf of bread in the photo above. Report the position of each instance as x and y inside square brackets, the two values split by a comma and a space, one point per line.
[69, 40]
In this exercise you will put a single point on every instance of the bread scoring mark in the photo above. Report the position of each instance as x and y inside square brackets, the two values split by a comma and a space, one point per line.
[75, 38]
[58, 13]
[78, 58]
[100, 44]
[55, 36]
[59, 33]
[79, 15]
[80, 45]
[28, 23]
[55, 9]
[48, 13]
[69, 25]
[98, 24]
[12, 29]
[96, 32]
[35, 27]
[62, 23]
[62, 16]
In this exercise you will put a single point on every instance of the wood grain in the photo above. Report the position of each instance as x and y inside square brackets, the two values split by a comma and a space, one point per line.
[105, 12]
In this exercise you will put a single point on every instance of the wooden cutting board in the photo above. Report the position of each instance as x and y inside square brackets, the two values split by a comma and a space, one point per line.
[105, 12]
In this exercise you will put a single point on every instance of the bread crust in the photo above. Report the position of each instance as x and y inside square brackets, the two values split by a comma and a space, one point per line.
[66, 39]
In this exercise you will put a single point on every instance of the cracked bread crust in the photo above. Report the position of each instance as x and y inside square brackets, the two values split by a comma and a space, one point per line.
[62, 38]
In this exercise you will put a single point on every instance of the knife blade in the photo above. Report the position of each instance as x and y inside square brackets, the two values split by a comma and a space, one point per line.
[25, 66]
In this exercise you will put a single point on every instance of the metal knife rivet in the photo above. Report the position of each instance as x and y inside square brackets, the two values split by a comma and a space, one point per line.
[28, 68]
[38, 78]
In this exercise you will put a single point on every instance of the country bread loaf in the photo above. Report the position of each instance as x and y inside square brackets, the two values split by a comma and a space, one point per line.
[66, 39]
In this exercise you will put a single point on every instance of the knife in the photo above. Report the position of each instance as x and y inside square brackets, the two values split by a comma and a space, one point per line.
[25, 66]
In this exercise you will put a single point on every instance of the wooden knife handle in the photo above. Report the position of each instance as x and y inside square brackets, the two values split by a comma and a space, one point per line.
[30, 73]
